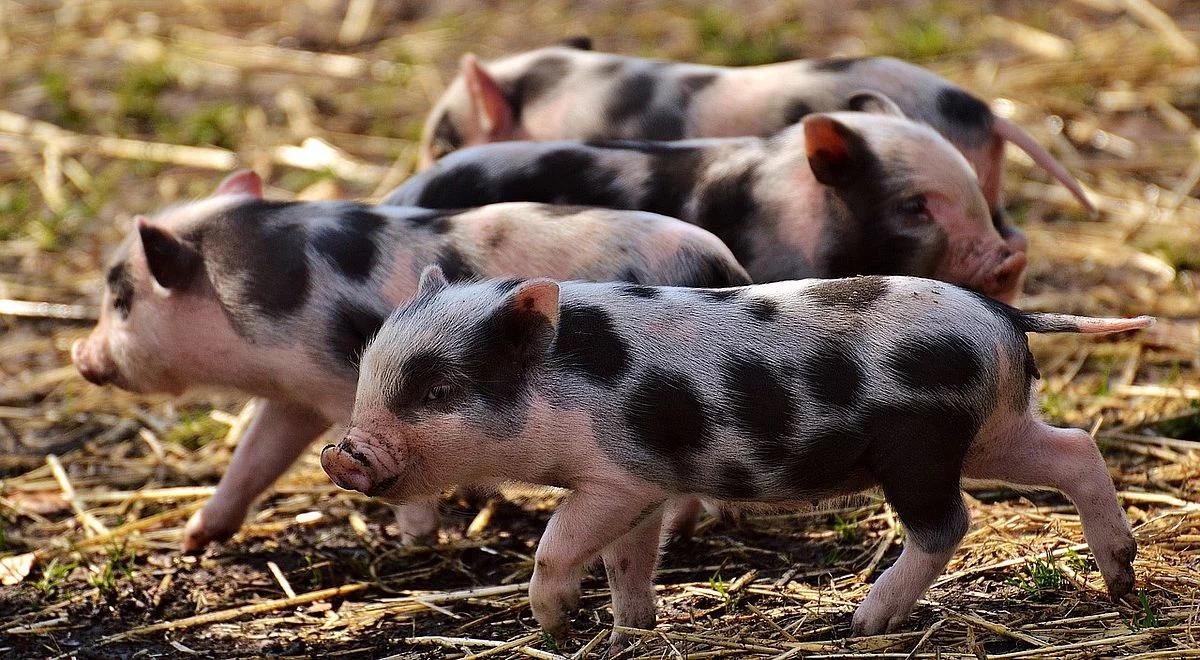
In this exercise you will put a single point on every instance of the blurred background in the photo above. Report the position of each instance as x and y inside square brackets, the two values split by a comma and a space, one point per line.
[113, 108]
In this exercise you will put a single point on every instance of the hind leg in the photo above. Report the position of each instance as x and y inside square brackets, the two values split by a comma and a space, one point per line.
[1037, 454]
[919, 473]
[630, 562]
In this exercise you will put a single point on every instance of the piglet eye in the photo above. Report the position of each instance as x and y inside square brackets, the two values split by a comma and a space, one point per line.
[914, 205]
[437, 393]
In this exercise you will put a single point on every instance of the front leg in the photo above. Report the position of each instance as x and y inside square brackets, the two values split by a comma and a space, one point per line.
[273, 441]
[588, 521]
[630, 562]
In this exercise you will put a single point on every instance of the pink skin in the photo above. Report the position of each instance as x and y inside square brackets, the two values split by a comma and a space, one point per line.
[616, 515]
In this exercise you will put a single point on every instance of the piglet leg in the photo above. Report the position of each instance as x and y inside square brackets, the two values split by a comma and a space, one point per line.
[630, 562]
[587, 522]
[418, 521]
[274, 440]
[895, 593]
[1037, 454]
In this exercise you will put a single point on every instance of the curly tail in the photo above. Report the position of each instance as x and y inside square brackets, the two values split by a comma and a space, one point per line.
[1034, 322]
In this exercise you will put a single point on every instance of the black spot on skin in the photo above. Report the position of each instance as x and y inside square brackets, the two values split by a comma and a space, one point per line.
[764, 310]
[673, 174]
[760, 405]
[639, 291]
[963, 110]
[611, 67]
[796, 110]
[631, 96]
[349, 245]
[454, 265]
[406, 397]
[712, 272]
[830, 372]
[543, 74]
[450, 184]
[351, 327]
[916, 455]
[661, 124]
[726, 207]
[578, 42]
[933, 361]
[120, 284]
[503, 349]
[506, 285]
[588, 344]
[695, 82]
[835, 64]
[557, 175]
[497, 237]
[257, 260]
[720, 295]
[445, 137]
[436, 222]
[667, 416]
[853, 294]
[736, 482]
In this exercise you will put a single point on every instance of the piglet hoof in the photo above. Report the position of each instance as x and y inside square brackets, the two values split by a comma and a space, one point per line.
[873, 618]
[203, 528]
[618, 644]
[418, 523]
[1120, 578]
[554, 612]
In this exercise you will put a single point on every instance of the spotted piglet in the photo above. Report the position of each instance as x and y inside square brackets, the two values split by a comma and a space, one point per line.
[571, 93]
[846, 193]
[277, 299]
[633, 396]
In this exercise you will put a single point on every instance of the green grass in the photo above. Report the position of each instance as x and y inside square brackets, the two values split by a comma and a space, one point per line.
[731, 601]
[118, 563]
[1041, 575]
[725, 39]
[195, 429]
[1147, 616]
[54, 576]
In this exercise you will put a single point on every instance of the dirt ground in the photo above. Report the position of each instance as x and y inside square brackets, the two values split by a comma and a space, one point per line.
[109, 109]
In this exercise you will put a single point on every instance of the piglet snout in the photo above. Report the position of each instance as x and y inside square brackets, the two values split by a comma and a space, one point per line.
[93, 368]
[1004, 282]
[347, 467]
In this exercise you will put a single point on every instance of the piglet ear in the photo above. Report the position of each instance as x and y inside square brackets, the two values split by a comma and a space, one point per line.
[539, 298]
[866, 100]
[493, 116]
[837, 154]
[172, 262]
[432, 280]
[241, 182]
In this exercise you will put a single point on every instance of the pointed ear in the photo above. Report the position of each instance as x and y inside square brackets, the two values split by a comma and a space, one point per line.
[866, 100]
[172, 262]
[241, 182]
[432, 280]
[837, 154]
[527, 320]
[493, 115]
[538, 297]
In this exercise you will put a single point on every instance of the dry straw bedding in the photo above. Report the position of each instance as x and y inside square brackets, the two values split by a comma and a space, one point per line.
[96, 484]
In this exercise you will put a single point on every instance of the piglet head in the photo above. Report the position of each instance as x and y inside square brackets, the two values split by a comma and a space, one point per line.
[474, 110]
[447, 373]
[161, 325]
[911, 198]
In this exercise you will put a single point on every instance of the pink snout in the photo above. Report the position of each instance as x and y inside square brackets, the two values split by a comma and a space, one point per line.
[1004, 281]
[91, 362]
[348, 468]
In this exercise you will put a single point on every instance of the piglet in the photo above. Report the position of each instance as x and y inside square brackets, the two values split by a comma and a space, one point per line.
[633, 396]
[570, 93]
[845, 193]
[277, 299]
